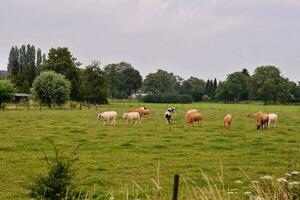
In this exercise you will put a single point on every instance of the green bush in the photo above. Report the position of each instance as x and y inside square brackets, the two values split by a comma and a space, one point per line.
[58, 182]
[51, 88]
[6, 92]
[205, 98]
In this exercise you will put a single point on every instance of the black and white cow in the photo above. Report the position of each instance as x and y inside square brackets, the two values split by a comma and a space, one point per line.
[172, 110]
[168, 117]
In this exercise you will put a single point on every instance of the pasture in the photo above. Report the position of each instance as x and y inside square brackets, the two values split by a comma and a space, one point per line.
[114, 156]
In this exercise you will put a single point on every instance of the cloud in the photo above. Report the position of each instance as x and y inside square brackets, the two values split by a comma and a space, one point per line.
[208, 39]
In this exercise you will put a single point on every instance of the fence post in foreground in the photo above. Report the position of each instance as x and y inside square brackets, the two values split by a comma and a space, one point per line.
[175, 187]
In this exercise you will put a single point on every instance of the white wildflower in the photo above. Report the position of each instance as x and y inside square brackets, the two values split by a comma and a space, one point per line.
[238, 181]
[295, 173]
[247, 193]
[266, 177]
[294, 183]
[288, 174]
[281, 180]
[258, 198]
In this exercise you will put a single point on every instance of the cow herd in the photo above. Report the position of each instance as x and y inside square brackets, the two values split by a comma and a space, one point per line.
[263, 120]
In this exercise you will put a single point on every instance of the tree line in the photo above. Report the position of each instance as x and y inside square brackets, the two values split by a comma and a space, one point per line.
[93, 84]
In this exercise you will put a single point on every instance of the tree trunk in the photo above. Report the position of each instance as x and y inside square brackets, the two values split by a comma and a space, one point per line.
[266, 101]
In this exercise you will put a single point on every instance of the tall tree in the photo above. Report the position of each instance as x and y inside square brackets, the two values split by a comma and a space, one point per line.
[267, 83]
[22, 66]
[13, 66]
[115, 80]
[194, 87]
[39, 58]
[62, 61]
[160, 82]
[222, 92]
[238, 85]
[94, 87]
[132, 80]
[123, 79]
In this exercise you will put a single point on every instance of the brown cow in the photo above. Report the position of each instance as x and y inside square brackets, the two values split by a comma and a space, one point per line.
[194, 117]
[262, 120]
[227, 121]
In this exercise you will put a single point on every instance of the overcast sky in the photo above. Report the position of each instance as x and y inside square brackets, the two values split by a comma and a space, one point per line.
[202, 38]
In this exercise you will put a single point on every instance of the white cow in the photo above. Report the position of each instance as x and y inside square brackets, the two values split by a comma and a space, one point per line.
[272, 118]
[132, 116]
[107, 117]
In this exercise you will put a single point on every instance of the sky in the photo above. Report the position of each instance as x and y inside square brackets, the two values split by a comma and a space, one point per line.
[201, 38]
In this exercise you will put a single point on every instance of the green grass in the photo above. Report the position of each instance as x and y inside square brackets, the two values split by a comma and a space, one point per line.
[113, 156]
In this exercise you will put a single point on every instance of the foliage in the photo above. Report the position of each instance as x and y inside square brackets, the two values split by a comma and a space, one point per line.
[50, 87]
[205, 98]
[210, 88]
[194, 87]
[93, 88]
[60, 60]
[222, 92]
[295, 91]
[168, 98]
[267, 83]
[6, 91]
[22, 66]
[58, 182]
[123, 79]
[132, 80]
[161, 82]
[238, 86]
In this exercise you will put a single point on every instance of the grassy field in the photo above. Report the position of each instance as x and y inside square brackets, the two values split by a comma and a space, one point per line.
[114, 156]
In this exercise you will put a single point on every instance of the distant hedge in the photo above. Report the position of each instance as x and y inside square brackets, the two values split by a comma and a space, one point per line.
[168, 98]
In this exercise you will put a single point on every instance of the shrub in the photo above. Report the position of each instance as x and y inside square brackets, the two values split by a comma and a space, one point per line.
[50, 87]
[205, 98]
[58, 182]
[6, 92]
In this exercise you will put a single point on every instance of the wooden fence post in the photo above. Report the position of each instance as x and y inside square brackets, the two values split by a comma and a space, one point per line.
[175, 187]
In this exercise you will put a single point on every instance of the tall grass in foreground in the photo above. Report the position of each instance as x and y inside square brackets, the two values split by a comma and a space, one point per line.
[57, 184]
[267, 188]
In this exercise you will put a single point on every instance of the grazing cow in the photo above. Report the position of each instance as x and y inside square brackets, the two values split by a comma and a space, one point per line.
[168, 117]
[227, 121]
[140, 111]
[108, 116]
[262, 120]
[189, 112]
[254, 114]
[272, 118]
[173, 111]
[146, 111]
[194, 117]
[132, 116]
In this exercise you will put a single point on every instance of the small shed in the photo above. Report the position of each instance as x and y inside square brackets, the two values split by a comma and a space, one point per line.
[19, 96]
